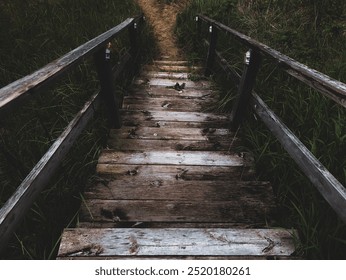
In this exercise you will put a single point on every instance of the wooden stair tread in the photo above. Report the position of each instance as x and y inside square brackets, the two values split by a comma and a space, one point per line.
[178, 172]
[171, 116]
[205, 158]
[178, 190]
[165, 104]
[99, 210]
[170, 83]
[164, 133]
[163, 92]
[125, 144]
[175, 242]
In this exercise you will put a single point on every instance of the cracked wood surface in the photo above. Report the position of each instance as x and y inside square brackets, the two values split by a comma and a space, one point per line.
[176, 242]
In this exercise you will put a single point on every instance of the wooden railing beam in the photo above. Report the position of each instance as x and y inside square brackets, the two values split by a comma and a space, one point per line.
[328, 86]
[330, 188]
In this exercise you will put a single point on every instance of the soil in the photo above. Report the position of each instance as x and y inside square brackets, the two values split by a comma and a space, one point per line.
[162, 17]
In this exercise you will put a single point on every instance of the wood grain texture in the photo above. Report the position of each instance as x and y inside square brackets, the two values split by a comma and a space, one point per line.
[205, 158]
[176, 242]
[178, 190]
[177, 172]
[244, 211]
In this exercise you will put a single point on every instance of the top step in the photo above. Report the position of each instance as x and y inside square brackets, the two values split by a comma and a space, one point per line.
[171, 62]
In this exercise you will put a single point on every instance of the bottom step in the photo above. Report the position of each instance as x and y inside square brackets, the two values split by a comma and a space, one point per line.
[108, 243]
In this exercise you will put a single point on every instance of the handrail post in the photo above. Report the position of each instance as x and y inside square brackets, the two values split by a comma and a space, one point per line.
[133, 40]
[104, 70]
[211, 51]
[198, 32]
[247, 82]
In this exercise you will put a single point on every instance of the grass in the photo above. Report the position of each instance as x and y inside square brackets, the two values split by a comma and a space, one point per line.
[37, 33]
[312, 32]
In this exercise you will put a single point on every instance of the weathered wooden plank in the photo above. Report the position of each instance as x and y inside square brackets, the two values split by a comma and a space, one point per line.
[177, 242]
[330, 188]
[46, 74]
[162, 133]
[167, 225]
[165, 104]
[217, 173]
[157, 82]
[166, 75]
[171, 62]
[205, 158]
[22, 199]
[174, 68]
[177, 190]
[245, 211]
[163, 92]
[171, 116]
[171, 145]
[140, 121]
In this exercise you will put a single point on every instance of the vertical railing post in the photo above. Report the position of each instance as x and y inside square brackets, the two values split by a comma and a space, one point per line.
[211, 51]
[133, 36]
[247, 82]
[103, 65]
[198, 32]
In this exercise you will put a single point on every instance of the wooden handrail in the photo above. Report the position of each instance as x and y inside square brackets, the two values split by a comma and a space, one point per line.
[330, 87]
[329, 187]
[28, 84]
[21, 200]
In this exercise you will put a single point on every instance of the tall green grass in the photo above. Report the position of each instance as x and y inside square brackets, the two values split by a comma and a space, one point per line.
[36, 33]
[312, 32]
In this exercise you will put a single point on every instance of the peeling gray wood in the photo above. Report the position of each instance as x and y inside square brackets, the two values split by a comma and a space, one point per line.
[176, 242]
[245, 211]
[175, 158]
[142, 122]
[20, 202]
[46, 74]
[217, 173]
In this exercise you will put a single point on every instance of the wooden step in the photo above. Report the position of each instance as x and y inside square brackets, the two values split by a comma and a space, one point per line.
[205, 158]
[170, 83]
[164, 133]
[171, 62]
[166, 75]
[174, 139]
[177, 243]
[178, 190]
[173, 68]
[176, 172]
[171, 116]
[250, 212]
[168, 104]
[163, 92]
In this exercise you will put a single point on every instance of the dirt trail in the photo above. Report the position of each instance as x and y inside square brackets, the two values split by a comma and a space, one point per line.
[162, 17]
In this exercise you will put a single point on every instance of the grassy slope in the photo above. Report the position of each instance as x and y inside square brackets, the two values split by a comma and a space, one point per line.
[312, 32]
[38, 32]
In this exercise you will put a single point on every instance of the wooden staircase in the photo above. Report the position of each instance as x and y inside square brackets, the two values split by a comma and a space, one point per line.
[172, 184]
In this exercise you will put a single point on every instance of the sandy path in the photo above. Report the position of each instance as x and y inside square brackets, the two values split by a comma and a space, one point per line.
[162, 17]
